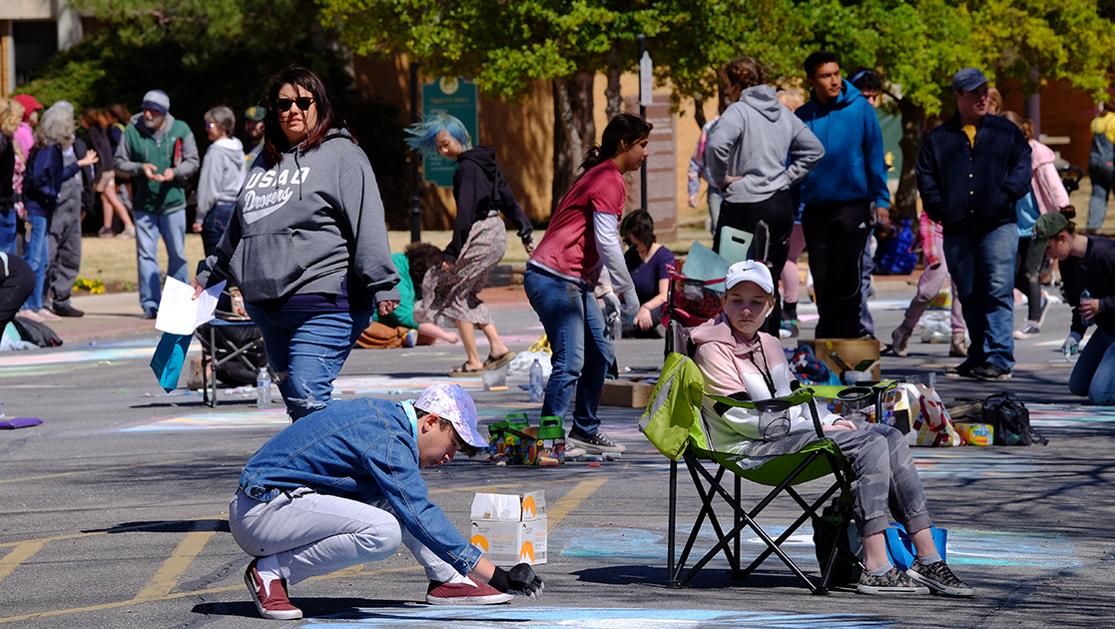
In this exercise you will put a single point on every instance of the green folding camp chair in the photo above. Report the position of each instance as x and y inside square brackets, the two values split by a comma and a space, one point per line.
[673, 422]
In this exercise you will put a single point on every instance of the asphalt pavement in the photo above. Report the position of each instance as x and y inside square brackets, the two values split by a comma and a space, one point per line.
[114, 510]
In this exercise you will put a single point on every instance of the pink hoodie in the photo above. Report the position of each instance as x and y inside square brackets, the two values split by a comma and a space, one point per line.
[731, 364]
[1045, 181]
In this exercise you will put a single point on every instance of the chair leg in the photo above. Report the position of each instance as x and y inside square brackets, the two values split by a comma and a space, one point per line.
[671, 575]
[707, 499]
[738, 517]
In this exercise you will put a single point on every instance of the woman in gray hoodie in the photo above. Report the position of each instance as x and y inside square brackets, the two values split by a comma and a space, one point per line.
[756, 151]
[222, 176]
[307, 244]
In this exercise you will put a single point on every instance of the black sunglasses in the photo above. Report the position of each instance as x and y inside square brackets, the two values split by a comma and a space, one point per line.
[303, 102]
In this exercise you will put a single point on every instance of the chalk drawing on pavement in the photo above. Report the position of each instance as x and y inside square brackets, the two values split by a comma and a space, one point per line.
[1050, 551]
[1070, 415]
[586, 617]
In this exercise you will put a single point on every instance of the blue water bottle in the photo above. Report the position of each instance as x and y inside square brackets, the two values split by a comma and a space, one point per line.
[1085, 294]
[536, 383]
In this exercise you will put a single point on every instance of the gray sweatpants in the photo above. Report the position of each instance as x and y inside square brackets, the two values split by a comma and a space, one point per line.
[65, 243]
[885, 476]
[313, 534]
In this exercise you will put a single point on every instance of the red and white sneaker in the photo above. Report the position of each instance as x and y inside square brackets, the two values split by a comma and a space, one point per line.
[272, 603]
[467, 593]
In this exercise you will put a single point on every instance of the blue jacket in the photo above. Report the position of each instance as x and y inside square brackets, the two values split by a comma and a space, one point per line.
[43, 180]
[854, 167]
[366, 450]
[968, 188]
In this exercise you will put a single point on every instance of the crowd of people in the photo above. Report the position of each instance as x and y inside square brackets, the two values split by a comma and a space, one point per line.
[292, 218]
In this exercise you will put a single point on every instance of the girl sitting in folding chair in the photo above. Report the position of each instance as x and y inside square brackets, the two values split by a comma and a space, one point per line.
[736, 359]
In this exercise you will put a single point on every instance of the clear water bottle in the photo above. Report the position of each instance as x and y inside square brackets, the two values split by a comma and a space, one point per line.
[536, 384]
[263, 388]
[1086, 294]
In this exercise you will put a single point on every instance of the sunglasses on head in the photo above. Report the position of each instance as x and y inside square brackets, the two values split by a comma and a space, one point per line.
[303, 102]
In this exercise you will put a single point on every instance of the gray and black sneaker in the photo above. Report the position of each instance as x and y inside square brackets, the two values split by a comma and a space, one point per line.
[893, 582]
[938, 577]
[596, 443]
[991, 372]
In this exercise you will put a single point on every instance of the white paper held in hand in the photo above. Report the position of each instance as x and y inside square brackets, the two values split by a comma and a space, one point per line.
[180, 313]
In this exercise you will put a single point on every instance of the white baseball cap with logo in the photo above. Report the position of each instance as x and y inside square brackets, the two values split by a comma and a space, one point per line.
[452, 403]
[750, 271]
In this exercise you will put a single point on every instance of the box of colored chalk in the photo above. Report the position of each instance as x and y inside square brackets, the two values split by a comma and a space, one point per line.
[510, 529]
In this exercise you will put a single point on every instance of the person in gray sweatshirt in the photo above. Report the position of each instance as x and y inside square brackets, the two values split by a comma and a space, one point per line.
[222, 175]
[307, 244]
[755, 153]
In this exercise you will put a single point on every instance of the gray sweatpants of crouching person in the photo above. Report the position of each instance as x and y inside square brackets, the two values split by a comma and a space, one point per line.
[884, 472]
[313, 534]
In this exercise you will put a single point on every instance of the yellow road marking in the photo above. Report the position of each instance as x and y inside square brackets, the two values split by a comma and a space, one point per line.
[572, 499]
[21, 553]
[166, 597]
[113, 531]
[179, 561]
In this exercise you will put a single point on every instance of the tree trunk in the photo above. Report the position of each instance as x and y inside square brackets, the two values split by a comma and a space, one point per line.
[574, 129]
[913, 122]
[613, 71]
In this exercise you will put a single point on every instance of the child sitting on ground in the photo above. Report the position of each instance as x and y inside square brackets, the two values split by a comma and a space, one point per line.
[735, 358]
[400, 328]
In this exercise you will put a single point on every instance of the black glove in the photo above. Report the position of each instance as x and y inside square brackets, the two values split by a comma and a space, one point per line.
[518, 580]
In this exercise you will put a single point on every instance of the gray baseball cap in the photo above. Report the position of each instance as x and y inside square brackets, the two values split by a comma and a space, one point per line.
[968, 79]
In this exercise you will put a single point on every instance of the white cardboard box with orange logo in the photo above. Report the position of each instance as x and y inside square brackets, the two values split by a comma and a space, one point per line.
[510, 529]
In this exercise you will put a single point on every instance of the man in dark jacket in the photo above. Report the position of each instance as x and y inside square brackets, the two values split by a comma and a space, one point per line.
[971, 170]
[841, 195]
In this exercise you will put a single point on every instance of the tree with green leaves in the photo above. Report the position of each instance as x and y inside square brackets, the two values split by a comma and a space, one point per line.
[504, 46]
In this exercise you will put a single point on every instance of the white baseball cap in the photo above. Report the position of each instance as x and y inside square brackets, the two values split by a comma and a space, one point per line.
[750, 271]
[451, 402]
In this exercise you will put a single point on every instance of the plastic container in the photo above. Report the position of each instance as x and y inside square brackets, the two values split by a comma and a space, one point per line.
[263, 388]
[976, 433]
[494, 379]
[536, 383]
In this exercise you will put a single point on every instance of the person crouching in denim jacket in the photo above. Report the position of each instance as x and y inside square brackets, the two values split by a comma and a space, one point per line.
[345, 489]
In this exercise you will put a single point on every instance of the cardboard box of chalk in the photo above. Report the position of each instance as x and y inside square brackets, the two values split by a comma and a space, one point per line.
[510, 529]
[626, 393]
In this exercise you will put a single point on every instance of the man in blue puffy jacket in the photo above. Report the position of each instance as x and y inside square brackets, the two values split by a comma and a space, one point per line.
[841, 194]
[971, 170]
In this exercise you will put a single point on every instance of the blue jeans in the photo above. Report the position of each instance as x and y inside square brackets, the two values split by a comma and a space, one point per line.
[8, 230]
[306, 350]
[1094, 373]
[581, 353]
[36, 251]
[172, 228]
[214, 226]
[982, 268]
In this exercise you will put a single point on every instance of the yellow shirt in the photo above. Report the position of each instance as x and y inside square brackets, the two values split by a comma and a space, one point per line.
[970, 131]
[1105, 124]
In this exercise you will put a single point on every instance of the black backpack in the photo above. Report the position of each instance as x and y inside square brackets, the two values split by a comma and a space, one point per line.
[1011, 420]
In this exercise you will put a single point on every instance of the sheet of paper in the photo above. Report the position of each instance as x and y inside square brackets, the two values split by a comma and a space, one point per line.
[180, 313]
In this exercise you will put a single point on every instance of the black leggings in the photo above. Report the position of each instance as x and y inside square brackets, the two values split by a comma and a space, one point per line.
[835, 236]
[18, 282]
[778, 214]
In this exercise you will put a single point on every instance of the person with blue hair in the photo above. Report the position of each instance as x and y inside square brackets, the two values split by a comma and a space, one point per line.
[481, 193]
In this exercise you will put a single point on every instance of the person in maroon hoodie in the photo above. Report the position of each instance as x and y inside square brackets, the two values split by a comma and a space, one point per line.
[479, 239]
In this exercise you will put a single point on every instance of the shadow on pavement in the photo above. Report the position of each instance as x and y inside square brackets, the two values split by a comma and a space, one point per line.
[166, 526]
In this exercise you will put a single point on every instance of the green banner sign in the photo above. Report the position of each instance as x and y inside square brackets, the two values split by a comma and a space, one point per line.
[457, 98]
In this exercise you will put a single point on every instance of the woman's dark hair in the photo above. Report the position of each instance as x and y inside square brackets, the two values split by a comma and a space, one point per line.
[638, 224]
[623, 128]
[421, 256]
[818, 59]
[745, 72]
[275, 141]
[866, 79]
[120, 113]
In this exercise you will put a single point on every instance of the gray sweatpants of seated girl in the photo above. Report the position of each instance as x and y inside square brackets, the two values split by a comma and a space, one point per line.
[884, 475]
[883, 470]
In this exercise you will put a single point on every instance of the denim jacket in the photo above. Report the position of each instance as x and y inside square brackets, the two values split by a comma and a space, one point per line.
[363, 449]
